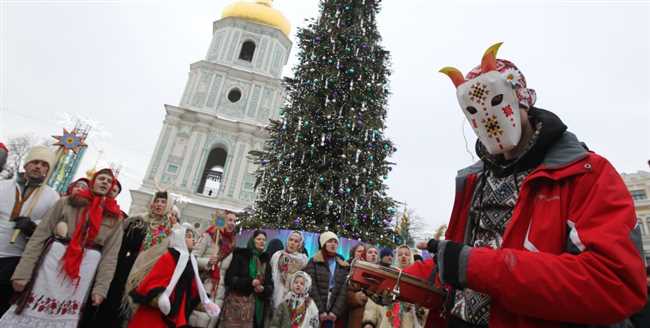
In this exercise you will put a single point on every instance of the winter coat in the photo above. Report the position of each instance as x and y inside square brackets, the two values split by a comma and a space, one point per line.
[568, 253]
[109, 238]
[376, 315]
[237, 276]
[238, 279]
[355, 305]
[642, 319]
[35, 207]
[319, 271]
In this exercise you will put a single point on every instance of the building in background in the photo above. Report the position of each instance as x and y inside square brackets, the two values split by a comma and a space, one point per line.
[202, 150]
[639, 186]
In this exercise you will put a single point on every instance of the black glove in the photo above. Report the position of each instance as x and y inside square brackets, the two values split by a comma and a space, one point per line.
[432, 246]
[451, 259]
[25, 224]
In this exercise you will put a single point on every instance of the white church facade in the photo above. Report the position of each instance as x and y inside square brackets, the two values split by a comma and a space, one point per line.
[202, 149]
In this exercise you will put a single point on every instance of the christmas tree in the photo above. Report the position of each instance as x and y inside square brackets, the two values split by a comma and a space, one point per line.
[325, 163]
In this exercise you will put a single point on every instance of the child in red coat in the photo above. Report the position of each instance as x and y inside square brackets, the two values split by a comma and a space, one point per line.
[170, 292]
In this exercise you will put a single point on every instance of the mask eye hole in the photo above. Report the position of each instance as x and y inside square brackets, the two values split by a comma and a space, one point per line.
[496, 100]
[471, 110]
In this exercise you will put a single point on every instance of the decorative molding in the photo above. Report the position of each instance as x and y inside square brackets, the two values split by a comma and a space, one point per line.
[267, 102]
[201, 91]
[233, 175]
[214, 90]
[189, 86]
[159, 153]
[252, 27]
[255, 101]
[190, 166]
[235, 43]
[263, 54]
[217, 39]
[237, 72]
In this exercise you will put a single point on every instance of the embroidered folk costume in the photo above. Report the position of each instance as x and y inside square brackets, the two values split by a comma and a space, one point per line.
[71, 256]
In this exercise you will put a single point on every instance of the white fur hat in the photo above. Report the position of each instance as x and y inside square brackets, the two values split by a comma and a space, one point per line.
[325, 236]
[41, 153]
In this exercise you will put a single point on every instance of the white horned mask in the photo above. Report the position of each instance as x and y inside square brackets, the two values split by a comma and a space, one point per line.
[490, 97]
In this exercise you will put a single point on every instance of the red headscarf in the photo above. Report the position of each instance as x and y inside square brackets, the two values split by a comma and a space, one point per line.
[88, 224]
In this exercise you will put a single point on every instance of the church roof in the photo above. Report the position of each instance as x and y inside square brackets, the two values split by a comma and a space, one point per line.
[259, 11]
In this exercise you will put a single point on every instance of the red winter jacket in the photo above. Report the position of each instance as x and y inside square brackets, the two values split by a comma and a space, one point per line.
[568, 252]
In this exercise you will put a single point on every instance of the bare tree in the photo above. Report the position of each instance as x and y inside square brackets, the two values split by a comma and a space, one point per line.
[411, 226]
[440, 232]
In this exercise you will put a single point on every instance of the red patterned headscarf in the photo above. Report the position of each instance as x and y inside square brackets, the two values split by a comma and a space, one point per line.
[88, 224]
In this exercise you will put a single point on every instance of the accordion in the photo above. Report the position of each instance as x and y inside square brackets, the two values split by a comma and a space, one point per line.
[386, 285]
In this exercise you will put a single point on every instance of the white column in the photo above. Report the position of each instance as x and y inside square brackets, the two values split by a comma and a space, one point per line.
[167, 148]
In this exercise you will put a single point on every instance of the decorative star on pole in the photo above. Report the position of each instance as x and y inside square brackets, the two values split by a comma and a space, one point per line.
[219, 219]
[70, 141]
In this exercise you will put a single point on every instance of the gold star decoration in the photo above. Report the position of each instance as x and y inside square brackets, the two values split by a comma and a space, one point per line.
[70, 141]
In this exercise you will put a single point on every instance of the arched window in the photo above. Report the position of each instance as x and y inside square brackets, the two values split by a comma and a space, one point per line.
[247, 51]
[213, 173]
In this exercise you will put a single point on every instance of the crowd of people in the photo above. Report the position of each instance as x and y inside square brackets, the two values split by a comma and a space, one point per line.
[78, 260]
[543, 233]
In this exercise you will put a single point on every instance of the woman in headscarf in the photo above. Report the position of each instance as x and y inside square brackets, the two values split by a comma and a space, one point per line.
[284, 263]
[356, 298]
[249, 285]
[71, 255]
[172, 289]
[145, 240]
[297, 309]
[399, 314]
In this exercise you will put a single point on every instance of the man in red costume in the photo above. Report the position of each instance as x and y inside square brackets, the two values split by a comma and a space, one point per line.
[542, 232]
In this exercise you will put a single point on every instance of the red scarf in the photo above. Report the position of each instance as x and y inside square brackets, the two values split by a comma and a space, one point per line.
[89, 221]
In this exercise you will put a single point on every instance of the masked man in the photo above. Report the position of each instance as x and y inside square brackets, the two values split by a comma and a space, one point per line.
[542, 232]
[23, 203]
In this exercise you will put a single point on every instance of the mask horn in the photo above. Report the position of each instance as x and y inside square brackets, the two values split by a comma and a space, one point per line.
[454, 74]
[489, 61]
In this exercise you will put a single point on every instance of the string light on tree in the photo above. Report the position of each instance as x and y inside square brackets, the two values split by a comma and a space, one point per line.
[325, 163]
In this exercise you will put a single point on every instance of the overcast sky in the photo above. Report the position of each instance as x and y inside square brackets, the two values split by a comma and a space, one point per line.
[118, 62]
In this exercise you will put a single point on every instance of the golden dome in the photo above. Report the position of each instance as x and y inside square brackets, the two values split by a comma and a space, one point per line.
[259, 11]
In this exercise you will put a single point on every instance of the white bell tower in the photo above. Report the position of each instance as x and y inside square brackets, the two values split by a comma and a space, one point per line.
[228, 100]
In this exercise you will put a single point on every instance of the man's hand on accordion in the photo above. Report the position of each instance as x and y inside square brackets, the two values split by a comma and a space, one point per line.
[450, 258]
